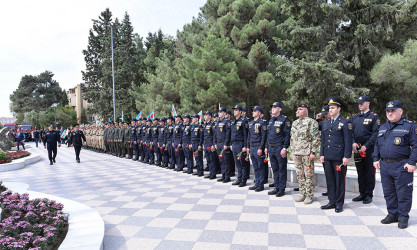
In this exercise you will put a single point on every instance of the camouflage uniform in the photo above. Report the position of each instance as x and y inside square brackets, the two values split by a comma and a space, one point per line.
[304, 141]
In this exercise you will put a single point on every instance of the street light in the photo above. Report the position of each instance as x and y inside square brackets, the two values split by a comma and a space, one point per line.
[55, 104]
[112, 65]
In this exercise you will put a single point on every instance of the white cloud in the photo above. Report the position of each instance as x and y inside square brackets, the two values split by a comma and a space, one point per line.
[50, 35]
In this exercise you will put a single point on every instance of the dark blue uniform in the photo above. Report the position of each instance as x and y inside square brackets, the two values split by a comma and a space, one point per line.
[396, 145]
[156, 150]
[208, 143]
[133, 141]
[50, 140]
[336, 144]
[256, 140]
[221, 139]
[197, 132]
[149, 156]
[186, 142]
[365, 129]
[36, 136]
[279, 135]
[76, 138]
[238, 140]
[171, 151]
[163, 149]
[138, 140]
[19, 140]
[178, 150]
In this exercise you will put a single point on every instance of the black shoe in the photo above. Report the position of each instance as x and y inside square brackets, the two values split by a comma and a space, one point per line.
[242, 184]
[328, 206]
[195, 173]
[403, 224]
[50, 163]
[280, 193]
[338, 209]
[78, 160]
[361, 197]
[324, 194]
[206, 169]
[254, 187]
[177, 170]
[54, 160]
[260, 188]
[151, 163]
[271, 185]
[226, 180]
[220, 179]
[273, 192]
[200, 175]
[207, 176]
[237, 182]
[296, 189]
[389, 219]
[212, 177]
[185, 171]
[189, 172]
[367, 200]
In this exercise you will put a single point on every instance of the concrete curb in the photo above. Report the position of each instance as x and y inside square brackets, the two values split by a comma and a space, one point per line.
[20, 163]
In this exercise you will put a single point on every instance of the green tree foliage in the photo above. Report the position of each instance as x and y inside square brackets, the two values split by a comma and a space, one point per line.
[65, 116]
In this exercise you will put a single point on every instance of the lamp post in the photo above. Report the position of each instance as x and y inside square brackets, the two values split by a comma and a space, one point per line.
[55, 104]
[112, 65]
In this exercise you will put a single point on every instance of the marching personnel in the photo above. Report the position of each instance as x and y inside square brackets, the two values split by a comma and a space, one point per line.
[197, 131]
[395, 155]
[365, 127]
[177, 143]
[221, 142]
[186, 142]
[155, 136]
[335, 152]
[133, 139]
[168, 139]
[256, 144]
[278, 138]
[239, 132]
[76, 138]
[162, 143]
[50, 141]
[208, 145]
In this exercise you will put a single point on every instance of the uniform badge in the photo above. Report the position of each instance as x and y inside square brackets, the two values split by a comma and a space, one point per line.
[196, 133]
[416, 131]
[350, 126]
[397, 140]
[208, 131]
[237, 127]
[221, 129]
[378, 121]
[277, 130]
[288, 124]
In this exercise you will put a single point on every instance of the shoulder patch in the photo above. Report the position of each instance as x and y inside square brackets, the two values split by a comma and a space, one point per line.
[350, 126]
[288, 124]
[416, 131]
[378, 121]
[316, 132]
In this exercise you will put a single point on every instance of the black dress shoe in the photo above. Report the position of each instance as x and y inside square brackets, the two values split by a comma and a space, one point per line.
[361, 197]
[50, 163]
[54, 160]
[271, 185]
[188, 172]
[338, 209]
[226, 180]
[389, 219]
[242, 184]
[185, 171]
[237, 182]
[212, 177]
[195, 173]
[280, 193]
[177, 170]
[296, 189]
[220, 179]
[324, 194]
[328, 206]
[78, 160]
[200, 175]
[259, 189]
[367, 200]
[207, 176]
[254, 187]
[206, 169]
[273, 192]
[403, 224]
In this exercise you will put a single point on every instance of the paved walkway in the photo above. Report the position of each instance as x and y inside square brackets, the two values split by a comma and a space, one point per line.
[146, 207]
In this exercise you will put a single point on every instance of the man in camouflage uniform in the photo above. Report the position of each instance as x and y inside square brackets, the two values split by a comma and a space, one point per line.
[304, 142]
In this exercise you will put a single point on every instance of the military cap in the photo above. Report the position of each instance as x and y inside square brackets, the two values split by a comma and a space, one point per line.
[76, 125]
[244, 109]
[164, 119]
[196, 116]
[302, 105]
[209, 113]
[178, 116]
[170, 118]
[276, 104]
[222, 109]
[325, 109]
[187, 116]
[144, 119]
[391, 105]
[156, 119]
[363, 99]
[257, 108]
[216, 115]
[149, 120]
[335, 101]
[228, 112]
[238, 107]
[134, 120]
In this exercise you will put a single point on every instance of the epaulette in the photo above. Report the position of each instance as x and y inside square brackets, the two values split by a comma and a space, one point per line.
[375, 114]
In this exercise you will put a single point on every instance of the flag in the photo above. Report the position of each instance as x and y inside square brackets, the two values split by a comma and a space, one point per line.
[123, 117]
[109, 120]
[64, 133]
[201, 115]
[139, 115]
[151, 116]
[173, 112]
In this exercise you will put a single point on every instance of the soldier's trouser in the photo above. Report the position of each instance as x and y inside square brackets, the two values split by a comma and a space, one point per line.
[140, 150]
[231, 163]
[198, 158]
[122, 149]
[216, 162]
[179, 155]
[243, 167]
[164, 153]
[397, 185]
[106, 145]
[366, 174]
[52, 151]
[171, 152]
[188, 155]
[335, 181]
[224, 159]
[77, 152]
[210, 158]
[305, 174]
[279, 167]
[135, 149]
[129, 150]
[18, 143]
[257, 166]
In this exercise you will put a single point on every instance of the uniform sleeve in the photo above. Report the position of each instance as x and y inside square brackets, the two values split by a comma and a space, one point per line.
[347, 133]
[58, 137]
[375, 154]
[201, 135]
[181, 133]
[248, 136]
[287, 133]
[353, 129]
[214, 134]
[245, 132]
[292, 133]
[375, 128]
[264, 132]
[413, 145]
[322, 140]
[314, 131]
[228, 133]
[213, 131]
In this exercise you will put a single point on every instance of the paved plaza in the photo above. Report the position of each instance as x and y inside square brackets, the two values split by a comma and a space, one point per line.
[147, 207]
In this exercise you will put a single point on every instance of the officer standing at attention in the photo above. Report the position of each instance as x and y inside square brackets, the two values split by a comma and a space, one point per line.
[222, 143]
[335, 152]
[186, 142]
[168, 140]
[208, 145]
[155, 136]
[197, 131]
[365, 127]
[133, 139]
[50, 141]
[239, 134]
[231, 162]
[143, 139]
[76, 138]
[395, 155]
[177, 143]
[256, 147]
[162, 144]
[278, 140]
[149, 156]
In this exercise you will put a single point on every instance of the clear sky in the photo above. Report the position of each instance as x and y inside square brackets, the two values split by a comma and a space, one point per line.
[50, 35]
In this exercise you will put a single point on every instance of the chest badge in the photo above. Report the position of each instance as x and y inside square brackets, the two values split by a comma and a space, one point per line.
[397, 140]
[277, 130]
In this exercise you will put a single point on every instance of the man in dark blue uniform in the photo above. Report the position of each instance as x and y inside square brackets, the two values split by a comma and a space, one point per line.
[335, 152]
[155, 136]
[215, 154]
[168, 139]
[133, 139]
[177, 143]
[19, 139]
[208, 145]
[143, 139]
[196, 147]
[326, 116]
[395, 155]
[77, 137]
[36, 136]
[365, 127]
[186, 142]
[139, 139]
[256, 145]
[239, 134]
[278, 140]
[221, 141]
[149, 156]
[161, 142]
[50, 141]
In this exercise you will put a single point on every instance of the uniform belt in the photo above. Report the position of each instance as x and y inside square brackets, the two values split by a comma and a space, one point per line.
[196, 141]
[254, 144]
[235, 142]
[221, 141]
[160, 140]
[206, 141]
[272, 145]
[185, 142]
[392, 160]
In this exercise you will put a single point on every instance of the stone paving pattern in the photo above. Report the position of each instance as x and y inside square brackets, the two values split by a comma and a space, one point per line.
[147, 207]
